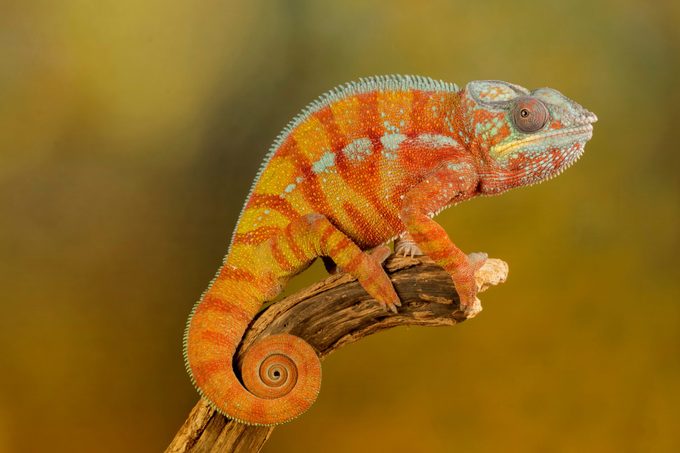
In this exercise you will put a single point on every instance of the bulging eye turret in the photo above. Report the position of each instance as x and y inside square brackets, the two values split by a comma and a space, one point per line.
[529, 114]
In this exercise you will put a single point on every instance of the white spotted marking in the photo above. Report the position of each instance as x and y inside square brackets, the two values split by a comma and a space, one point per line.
[459, 167]
[358, 149]
[392, 141]
[437, 140]
[326, 161]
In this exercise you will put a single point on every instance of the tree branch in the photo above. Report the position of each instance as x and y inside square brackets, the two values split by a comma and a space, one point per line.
[329, 315]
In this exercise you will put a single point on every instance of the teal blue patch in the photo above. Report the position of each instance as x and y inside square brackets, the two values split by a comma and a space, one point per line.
[491, 127]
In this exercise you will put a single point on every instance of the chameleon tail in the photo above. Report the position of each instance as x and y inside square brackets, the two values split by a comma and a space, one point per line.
[281, 374]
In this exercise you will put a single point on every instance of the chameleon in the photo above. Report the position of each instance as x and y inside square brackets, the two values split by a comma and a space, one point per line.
[365, 163]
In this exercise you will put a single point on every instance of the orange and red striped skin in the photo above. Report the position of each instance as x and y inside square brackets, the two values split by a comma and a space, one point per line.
[352, 204]
[359, 168]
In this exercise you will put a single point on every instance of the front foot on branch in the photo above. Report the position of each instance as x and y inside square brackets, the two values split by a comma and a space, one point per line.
[466, 284]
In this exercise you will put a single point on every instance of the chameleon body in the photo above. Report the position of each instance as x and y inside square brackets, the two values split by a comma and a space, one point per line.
[364, 163]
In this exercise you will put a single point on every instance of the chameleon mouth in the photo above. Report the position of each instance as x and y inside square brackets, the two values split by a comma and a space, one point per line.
[570, 144]
[582, 132]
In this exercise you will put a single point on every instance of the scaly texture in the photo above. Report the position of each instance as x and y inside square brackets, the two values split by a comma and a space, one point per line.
[362, 164]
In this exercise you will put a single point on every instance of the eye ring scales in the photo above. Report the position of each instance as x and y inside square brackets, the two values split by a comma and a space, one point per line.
[529, 114]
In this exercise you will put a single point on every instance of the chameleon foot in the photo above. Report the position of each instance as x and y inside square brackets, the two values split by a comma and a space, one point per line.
[404, 245]
[391, 306]
[388, 298]
[464, 280]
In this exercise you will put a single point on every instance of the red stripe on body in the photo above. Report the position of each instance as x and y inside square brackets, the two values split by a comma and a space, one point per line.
[283, 206]
[311, 189]
[359, 177]
[280, 257]
[256, 236]
[338, 141]
[202, 371]
[421, 118]
[237, 274]
[294, 246]
[216, 338]
[333, 132]
[369, 236]
[215, 303]
[367, 181]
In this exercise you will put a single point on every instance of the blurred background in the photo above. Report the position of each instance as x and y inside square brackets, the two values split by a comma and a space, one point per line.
[130, 132]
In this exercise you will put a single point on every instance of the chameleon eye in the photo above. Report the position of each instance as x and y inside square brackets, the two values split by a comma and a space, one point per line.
[529, 114]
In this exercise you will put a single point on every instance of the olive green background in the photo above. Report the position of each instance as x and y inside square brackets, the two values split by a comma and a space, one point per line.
[130, 131]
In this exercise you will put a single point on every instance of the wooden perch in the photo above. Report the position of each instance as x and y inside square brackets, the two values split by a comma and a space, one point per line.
[329, 315]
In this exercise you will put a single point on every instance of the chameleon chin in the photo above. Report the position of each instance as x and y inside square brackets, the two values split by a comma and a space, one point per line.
[364, 163]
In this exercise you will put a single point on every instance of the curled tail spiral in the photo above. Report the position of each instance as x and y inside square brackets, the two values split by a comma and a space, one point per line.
[281, 374]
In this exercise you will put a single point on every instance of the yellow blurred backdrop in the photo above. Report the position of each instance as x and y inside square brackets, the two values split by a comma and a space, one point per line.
[130, 132]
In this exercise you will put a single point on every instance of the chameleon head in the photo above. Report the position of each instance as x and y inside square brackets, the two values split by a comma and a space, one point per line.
[523, 137]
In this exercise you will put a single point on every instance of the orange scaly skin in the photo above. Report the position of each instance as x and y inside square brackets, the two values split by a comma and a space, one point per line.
[364, 163]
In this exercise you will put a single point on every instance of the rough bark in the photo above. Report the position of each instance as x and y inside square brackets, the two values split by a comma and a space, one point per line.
[329, 315]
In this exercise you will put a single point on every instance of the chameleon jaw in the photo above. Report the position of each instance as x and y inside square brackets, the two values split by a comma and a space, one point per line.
[581, 132]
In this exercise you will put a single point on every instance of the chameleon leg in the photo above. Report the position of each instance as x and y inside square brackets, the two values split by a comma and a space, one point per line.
[432, 239]
[318, 236]
[380, 253]
[441, 188]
